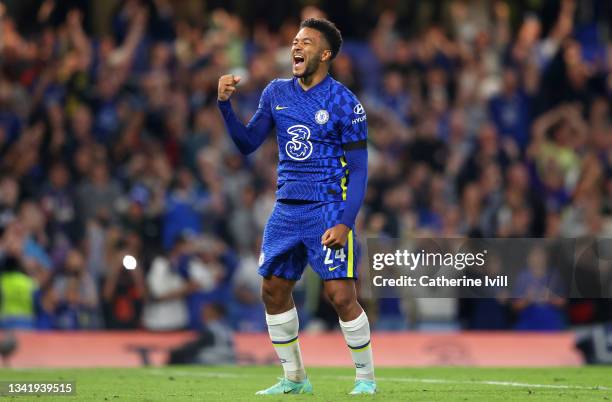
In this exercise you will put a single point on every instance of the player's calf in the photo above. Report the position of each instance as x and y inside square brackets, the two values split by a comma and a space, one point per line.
[283, 329]
[357, 336]
[356, 330]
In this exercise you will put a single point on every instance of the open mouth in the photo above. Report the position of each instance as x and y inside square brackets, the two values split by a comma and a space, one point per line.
[298, 60]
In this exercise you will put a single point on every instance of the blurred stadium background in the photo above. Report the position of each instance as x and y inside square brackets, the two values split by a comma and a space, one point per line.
[130, 225]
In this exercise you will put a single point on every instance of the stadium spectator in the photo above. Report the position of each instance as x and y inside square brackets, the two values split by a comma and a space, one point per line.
[98, 194]
[57, 200]
[169, 285]
[492, 310]
[540, 295]
[71, 301]
[9, 199]
[510, 111]
[123, 288]
[248, 314]
[196, 272]
[17, 284]
[185, 202]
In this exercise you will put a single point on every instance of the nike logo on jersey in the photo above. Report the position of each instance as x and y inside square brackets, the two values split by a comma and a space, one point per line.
[334, 268]
[279, 107]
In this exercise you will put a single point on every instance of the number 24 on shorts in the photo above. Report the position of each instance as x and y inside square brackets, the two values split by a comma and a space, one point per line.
[339, 255]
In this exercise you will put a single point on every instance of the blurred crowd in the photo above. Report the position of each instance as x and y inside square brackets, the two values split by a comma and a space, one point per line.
[124, 204]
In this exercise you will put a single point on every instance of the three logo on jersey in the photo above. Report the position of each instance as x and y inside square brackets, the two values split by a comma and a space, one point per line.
[299, 147]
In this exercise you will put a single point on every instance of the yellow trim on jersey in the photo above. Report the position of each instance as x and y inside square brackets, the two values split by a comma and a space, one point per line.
[344, 179]
[349, 271]
[343, 185]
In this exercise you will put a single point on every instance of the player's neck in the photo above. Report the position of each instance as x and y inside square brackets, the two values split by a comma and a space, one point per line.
[313, 79]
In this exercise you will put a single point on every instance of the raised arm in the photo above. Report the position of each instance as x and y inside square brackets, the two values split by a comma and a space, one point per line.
[247, 138]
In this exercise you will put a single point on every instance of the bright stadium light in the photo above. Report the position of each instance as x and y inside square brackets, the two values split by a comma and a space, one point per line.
[129, 262]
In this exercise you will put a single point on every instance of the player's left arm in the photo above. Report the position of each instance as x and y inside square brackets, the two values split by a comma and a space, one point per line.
[354, 144]
[357, 163]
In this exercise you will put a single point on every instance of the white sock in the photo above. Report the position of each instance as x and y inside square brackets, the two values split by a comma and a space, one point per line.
[357, 337]
[283, 329]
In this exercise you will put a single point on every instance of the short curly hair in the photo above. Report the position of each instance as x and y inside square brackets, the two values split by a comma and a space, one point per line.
[329, 30]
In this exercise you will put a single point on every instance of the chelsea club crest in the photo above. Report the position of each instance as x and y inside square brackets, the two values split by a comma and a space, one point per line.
[322, 116]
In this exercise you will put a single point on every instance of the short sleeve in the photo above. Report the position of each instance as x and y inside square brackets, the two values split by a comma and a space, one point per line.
[353, 121]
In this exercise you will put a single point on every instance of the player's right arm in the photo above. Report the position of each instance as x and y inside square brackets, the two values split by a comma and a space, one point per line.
[247, 138]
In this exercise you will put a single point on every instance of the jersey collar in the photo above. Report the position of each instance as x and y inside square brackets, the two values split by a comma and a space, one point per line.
[321, 85]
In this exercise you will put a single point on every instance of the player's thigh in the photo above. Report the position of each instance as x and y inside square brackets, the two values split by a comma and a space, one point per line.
[282, 252]
[330, 263]
[334, 263]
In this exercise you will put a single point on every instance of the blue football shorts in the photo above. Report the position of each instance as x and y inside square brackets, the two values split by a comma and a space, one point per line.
[292, 239]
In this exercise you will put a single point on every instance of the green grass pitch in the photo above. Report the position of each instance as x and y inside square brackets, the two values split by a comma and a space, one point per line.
[190, 383]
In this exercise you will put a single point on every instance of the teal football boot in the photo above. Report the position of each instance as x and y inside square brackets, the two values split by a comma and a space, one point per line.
[364, 387]
[285, 386]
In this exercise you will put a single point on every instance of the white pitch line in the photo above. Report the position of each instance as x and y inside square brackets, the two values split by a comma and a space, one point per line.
[208, 374]
[219, 374]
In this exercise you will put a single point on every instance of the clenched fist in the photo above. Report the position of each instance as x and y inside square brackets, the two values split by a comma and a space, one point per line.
[336, 236]
[227, 86]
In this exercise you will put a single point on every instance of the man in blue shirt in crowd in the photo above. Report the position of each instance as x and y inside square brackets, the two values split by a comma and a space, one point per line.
[322, 175]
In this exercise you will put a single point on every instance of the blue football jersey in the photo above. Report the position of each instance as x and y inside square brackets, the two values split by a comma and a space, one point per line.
[314, 128]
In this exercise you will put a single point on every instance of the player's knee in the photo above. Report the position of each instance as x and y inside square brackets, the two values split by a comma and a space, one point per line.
[342, 301]
[267, 293]
[274, 299]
